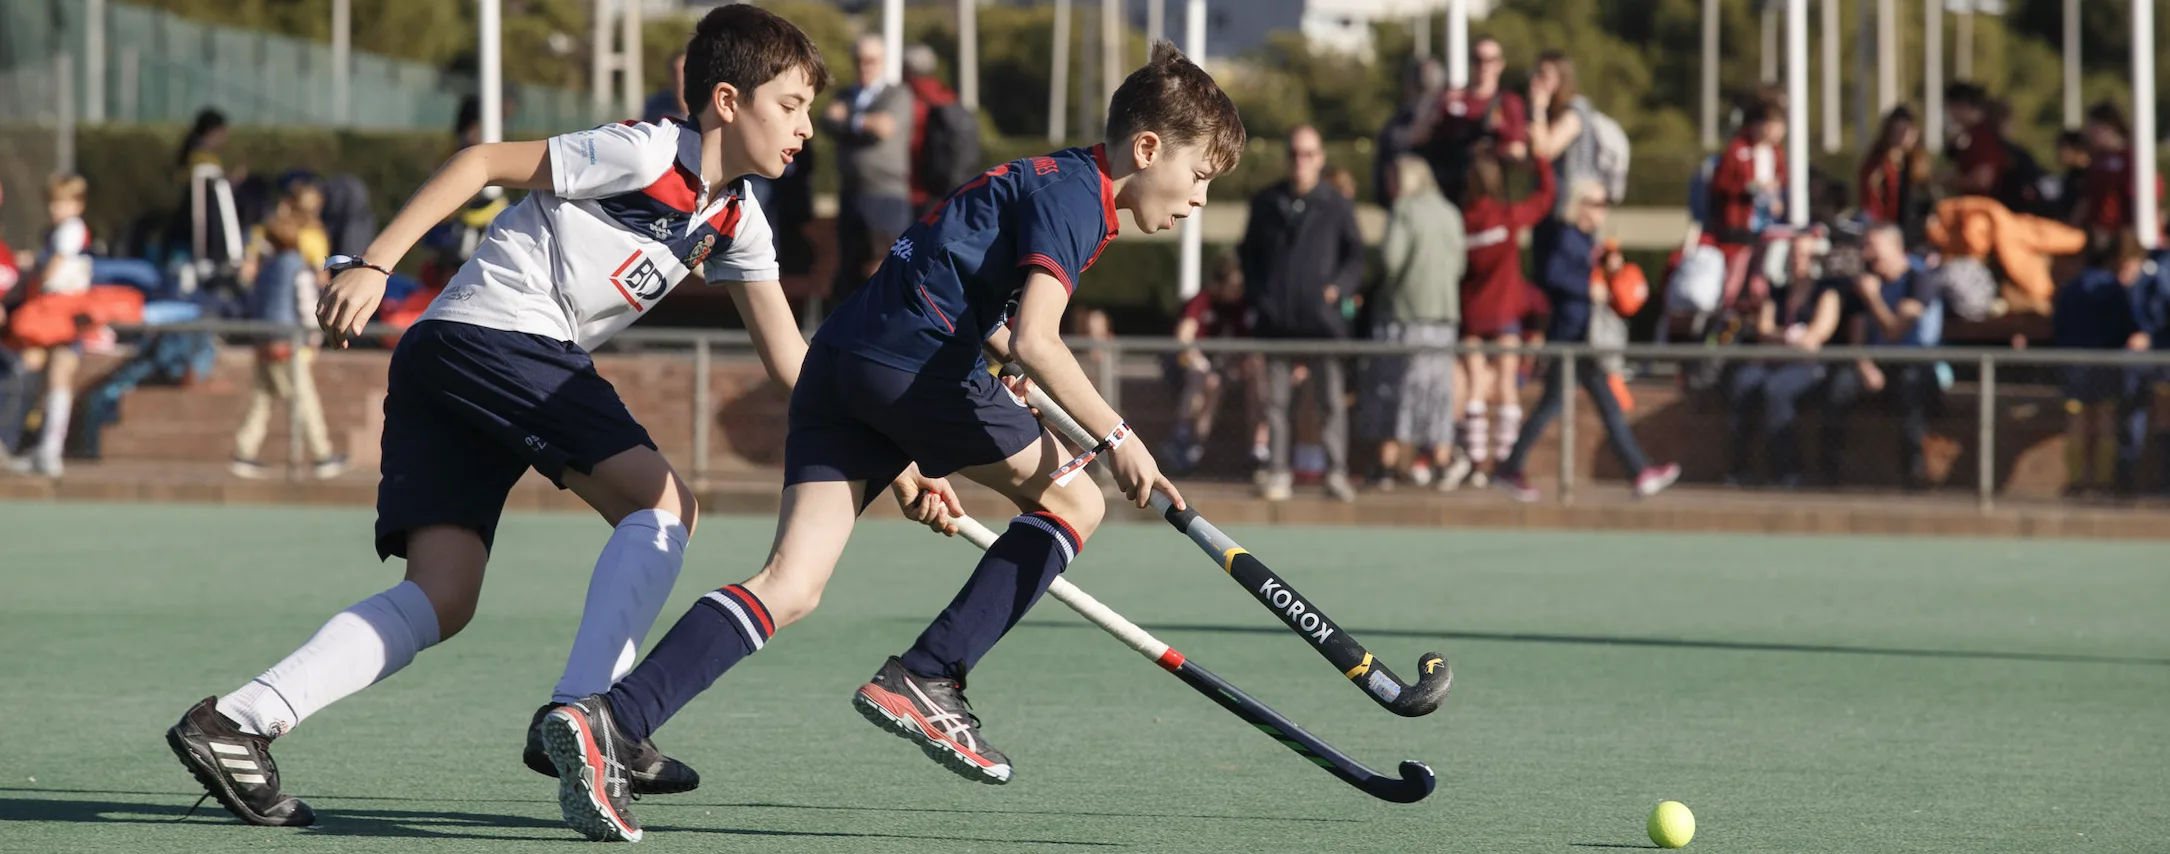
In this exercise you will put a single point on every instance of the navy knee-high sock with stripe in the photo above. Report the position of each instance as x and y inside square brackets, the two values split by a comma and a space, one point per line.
[721, 629]
[1012, 575]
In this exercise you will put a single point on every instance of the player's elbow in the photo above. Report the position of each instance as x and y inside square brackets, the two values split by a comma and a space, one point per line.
[1035, 348]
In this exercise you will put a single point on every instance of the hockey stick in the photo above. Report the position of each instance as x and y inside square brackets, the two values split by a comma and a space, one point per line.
[1342, 651]
[1416, 778]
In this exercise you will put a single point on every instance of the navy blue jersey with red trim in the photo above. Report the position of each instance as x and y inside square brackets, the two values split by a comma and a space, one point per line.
[951, 279]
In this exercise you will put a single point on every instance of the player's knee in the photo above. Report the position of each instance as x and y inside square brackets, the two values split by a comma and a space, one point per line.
[790, 603]
[689, 506]
[1079, 505]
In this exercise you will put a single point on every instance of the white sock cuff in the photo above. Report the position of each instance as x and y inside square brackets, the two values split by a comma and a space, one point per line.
[661, 521]
[407, 603]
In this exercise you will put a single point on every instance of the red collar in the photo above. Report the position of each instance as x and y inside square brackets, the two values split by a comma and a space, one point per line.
[1107, 188]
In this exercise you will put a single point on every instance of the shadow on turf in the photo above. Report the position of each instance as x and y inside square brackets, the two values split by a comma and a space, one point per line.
[408, 823]
[8, 813]
[1679, 643]
[1609, 845]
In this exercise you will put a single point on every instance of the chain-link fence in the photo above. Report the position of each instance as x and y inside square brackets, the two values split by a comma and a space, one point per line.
[157, 67]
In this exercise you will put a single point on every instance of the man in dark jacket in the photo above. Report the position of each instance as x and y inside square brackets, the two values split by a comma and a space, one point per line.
[1301, 257]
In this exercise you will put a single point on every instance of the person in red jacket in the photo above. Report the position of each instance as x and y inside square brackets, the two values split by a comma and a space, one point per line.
[2105, 204]
[1747, 191]
[928, 91]
[1494, 296]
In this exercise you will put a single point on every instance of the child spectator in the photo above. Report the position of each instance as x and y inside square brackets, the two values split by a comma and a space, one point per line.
[1218, 311]
[1566, 250]
[65, 307]
[1495, 298]
[285, 266]
[2105, 406]
[1893, 185]
[2074, 156]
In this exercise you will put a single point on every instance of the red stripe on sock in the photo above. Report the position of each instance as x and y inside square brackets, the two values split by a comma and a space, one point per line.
[760, 611]
[1076, 542]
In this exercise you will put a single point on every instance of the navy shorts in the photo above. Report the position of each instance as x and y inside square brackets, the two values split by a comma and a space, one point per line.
[853, 418]
[469, 409]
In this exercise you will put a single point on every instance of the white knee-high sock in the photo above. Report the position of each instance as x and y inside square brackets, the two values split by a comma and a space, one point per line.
[355, 649]
[53, 435]
[632, 579]
[1510, 429]
[1476, 432]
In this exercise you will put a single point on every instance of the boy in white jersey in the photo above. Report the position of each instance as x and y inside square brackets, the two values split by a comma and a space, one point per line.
[495, 378]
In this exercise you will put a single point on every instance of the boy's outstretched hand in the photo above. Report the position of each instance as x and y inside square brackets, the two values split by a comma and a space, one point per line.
[349, 303]
[1138, 475]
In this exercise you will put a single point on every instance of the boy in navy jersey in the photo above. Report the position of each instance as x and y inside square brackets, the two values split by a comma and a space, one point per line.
[898, 375]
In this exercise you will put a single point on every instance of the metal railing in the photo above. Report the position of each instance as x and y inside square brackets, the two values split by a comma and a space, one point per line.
[1111, 360]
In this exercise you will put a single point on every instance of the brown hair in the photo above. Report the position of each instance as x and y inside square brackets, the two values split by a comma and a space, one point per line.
[1226, 266]
[1888, 135]
[745, 45]
[70, 188]
[1485, 179]
[2107, 114]
[1566, 67]
[303, 208]
[1176, 99]
[1339, 178]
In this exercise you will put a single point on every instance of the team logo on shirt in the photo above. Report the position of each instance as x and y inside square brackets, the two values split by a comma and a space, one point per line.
[660, 227]
[638, 280]
[700, 251]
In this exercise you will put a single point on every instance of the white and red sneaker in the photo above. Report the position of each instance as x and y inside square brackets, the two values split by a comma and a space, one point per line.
[932, 713]
[1655, 479]
[1518, 488]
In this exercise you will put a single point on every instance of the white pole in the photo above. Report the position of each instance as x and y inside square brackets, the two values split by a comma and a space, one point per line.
[64, 107]
[1058, 86]
[488, 35]
[1864, 68]
[1111, 53]
[2147, 205]
[1963, 45]
[131, 83]
[1457, 44]
[968, 54]
[600, 54]
[342, 61]
[2072, 64]
[1193, 255]
[94, 61]
[1797, 112]
[1088, 60]
[893, 40]
[1710, 75]
[1831, 125]
[1156, 20]
[1932, 77]
[1887, 55]
[629, 69]
[1769, 54]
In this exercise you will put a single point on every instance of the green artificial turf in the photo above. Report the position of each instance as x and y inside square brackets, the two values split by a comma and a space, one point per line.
[1799, 694]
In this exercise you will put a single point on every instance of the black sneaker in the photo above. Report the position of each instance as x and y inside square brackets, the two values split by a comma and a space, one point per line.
[582, 740]
[934, 714]
[652, 772]
[235, 767]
